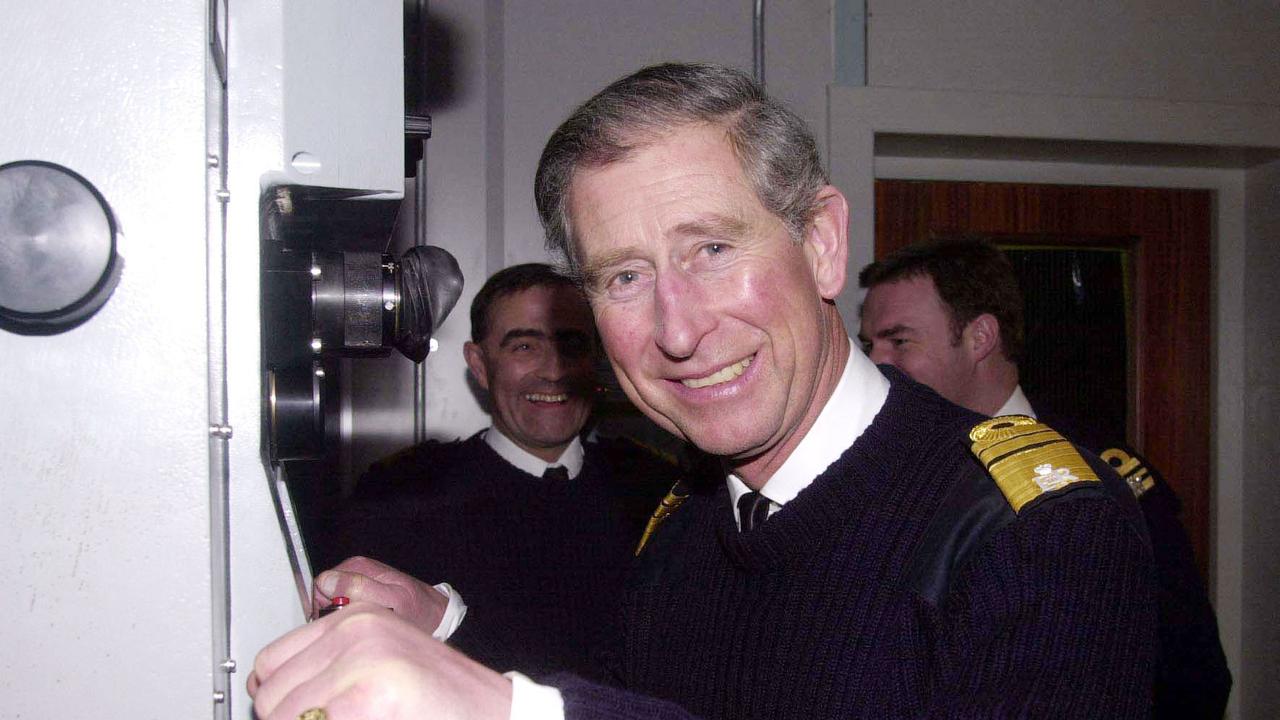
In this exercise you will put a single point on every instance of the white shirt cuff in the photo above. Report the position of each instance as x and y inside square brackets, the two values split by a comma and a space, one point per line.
[453, 614]
[531, 701]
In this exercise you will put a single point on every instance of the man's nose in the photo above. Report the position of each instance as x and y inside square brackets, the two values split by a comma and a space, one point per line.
[682, 314]
[554, 365]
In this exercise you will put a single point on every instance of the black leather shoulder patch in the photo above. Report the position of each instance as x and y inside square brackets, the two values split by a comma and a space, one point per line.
[1028, 468]
[971, 512]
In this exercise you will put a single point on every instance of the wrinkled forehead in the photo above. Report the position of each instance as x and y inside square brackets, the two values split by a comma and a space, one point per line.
[688, 141]
[684, 176]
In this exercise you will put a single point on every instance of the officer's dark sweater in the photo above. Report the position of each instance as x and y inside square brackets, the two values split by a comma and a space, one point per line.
[1192, 680]
[899, 584]
[539, 563]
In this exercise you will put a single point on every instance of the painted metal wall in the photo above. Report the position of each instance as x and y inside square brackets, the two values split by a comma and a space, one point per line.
[321, 78]
[103, 431]
[109, 480]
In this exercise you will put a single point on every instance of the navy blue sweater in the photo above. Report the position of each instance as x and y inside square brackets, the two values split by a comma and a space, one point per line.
[540, 564]
[867, 595]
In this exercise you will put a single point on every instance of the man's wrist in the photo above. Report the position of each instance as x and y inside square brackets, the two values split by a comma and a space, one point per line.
[531, 701]
[453, 613]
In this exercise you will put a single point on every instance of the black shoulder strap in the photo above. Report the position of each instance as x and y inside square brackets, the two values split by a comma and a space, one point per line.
[1132, 468]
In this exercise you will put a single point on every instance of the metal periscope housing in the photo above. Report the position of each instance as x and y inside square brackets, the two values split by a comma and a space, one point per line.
[330, 291]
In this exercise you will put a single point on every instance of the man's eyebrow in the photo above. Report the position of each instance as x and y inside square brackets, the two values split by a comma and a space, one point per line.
[718, 226]
[892, 330]
[518, 333]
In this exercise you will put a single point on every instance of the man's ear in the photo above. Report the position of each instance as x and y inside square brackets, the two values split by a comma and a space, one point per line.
[982, 336]
[827, 241]
[475, 363]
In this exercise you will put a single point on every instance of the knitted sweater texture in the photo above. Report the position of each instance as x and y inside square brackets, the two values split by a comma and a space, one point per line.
[538, 563]
[819, 613]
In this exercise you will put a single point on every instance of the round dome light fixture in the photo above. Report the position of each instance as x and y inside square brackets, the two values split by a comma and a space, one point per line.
[58, 260]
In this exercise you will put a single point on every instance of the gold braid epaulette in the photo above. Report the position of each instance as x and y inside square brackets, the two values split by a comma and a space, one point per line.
[675, 497]
[1027, 458]
[1131, 469]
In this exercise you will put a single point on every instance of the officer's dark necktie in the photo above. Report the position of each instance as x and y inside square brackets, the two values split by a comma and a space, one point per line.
[753, 510]
[556, 473]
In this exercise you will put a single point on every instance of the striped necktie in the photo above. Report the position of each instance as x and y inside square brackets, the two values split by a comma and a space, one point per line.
[753, 509]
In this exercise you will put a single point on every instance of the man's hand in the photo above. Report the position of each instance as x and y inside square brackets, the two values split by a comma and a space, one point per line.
[366, 662]
[363, 579]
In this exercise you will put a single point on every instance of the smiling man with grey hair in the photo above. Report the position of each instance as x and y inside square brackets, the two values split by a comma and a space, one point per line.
[874, 550]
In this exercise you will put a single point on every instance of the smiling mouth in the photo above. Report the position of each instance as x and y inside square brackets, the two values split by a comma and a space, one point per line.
[723, 375]
[546, 398]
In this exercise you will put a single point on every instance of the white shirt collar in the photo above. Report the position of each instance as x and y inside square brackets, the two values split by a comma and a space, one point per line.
[858, 396]
[1017, 404]
[506, 448]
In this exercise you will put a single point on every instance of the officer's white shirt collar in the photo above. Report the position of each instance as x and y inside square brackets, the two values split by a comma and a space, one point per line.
[858, 396]
[506, 448]
[1017, 404]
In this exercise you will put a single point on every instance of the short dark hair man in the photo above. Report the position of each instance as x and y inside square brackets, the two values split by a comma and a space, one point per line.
[857, 562]
[531, 350]
[948, 312]
[526, 522]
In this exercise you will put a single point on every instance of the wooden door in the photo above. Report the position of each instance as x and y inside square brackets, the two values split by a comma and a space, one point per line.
[1166, 234]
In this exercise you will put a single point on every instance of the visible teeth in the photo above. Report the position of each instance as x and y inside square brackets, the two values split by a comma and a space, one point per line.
[722, 376]
[542, 397]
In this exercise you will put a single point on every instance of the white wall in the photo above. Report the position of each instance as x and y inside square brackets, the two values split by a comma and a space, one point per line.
[1261, 383]
[1192, 50]
[103, 429]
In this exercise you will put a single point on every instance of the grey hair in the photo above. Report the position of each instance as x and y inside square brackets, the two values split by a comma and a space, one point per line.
[773, 145]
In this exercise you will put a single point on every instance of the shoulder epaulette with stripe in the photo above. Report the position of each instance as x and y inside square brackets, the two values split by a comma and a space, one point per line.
[1132, 469]
[674, 499]
[1027, 458]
